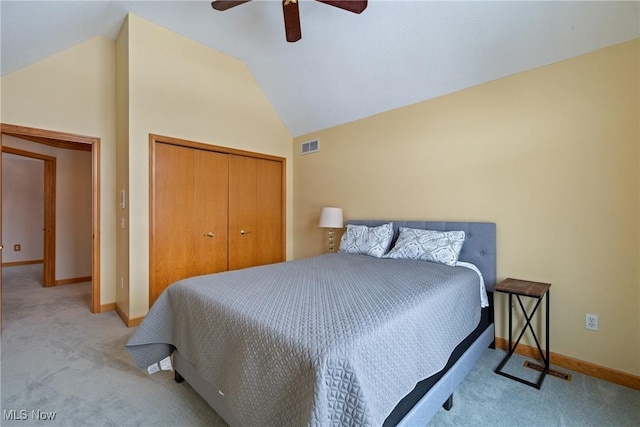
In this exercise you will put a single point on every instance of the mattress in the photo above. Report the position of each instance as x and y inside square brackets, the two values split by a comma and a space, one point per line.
[333, 339]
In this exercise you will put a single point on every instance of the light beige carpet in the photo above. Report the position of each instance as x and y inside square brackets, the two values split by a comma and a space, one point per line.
[59, 358]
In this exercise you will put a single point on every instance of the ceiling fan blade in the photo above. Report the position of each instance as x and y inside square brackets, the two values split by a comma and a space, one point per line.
[291, 20]
[355, 6]
[224, 4]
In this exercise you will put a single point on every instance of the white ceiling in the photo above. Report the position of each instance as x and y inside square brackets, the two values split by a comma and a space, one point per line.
[346, 66]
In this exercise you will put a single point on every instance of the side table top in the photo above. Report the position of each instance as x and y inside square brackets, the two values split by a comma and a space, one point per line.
[523, 287]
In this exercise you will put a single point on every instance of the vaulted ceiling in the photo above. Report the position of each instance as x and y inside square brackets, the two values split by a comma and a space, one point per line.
[346, 66]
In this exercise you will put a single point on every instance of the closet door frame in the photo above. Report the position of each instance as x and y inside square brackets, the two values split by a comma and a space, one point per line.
[155, 139]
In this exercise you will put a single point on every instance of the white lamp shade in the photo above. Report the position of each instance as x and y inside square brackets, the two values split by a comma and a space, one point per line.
[331, 218]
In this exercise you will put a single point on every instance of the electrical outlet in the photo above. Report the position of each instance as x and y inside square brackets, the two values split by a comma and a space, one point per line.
[17, 248]
[591, 321]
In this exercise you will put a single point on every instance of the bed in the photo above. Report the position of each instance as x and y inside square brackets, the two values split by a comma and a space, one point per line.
[337, 339]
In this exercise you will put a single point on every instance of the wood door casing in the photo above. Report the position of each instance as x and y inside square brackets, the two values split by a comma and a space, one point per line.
[49, 220]
[75, 142]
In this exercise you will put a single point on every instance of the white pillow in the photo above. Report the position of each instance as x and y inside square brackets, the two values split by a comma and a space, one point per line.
[373, 241]
[428, 245]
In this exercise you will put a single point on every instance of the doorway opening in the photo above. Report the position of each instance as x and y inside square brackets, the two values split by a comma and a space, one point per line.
[48, 209]
[74, 142]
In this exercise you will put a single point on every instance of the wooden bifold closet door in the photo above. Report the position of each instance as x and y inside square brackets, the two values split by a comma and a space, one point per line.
[212, 212]
[190, 213]
[255, 212]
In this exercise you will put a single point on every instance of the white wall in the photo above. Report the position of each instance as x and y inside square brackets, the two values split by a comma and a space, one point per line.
[22, 208]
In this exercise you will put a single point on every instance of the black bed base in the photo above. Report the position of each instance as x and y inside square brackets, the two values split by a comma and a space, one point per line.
[410, 400]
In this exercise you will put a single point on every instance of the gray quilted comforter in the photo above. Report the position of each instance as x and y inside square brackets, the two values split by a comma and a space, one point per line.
[336, 339]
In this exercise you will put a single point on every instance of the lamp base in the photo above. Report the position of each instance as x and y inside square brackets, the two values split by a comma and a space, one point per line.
[331, 240]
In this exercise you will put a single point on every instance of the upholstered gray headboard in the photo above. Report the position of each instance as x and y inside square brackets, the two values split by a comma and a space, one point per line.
[479, 246]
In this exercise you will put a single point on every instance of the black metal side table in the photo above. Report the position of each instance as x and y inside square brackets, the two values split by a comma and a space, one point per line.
[530, 289]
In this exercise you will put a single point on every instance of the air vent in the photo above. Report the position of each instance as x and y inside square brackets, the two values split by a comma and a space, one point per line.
[310, 147]
[552, 372]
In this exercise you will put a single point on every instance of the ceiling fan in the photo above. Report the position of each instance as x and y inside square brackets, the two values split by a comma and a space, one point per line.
[292, 13]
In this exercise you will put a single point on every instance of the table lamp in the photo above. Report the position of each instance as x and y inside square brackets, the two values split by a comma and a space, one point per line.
[331, 218]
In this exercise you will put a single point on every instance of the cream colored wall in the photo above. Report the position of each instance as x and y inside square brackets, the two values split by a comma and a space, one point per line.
[551, 155]
[74, 91]
[122, 168]
[183, 89]
[74, 230]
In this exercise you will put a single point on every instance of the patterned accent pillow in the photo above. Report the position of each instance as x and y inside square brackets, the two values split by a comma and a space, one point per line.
[360, 239]
[428, 245]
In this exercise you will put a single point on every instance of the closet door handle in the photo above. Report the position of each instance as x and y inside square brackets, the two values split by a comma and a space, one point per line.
[244, 232]
[210, 234]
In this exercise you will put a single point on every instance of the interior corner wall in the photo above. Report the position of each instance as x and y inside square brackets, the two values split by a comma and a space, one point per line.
[74, 92]
[122, 169]
[182, 89]
[550, 155]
